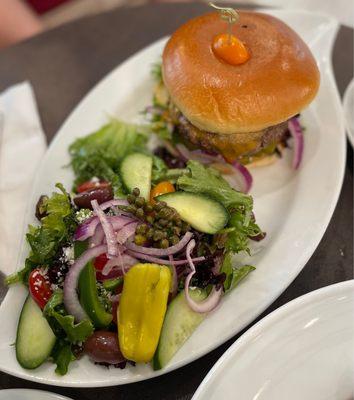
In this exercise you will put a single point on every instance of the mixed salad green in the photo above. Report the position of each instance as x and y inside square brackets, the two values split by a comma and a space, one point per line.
[146, 236]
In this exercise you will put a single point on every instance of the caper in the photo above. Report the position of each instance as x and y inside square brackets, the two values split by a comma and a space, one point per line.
[176, 230]
[139, 240]
[178, 223]
[176, 217]
[185, 227]
[158, 235]
[158, 206]
[131, 209]
[136, 192]
[140, 213]
[150, 219]
[174, 240]
[164, 213]
[150, 233]
[163, 244]
[170, 224]
[139, 201]
[148, 208]
[142, 229]
[163, 222]
[130, 198]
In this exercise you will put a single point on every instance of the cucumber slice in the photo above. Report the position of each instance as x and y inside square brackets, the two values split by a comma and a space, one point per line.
[180, 322]
[35, 338]
[201, 212]
[135, 170]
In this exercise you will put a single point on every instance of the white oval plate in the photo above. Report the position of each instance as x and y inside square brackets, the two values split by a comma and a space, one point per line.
[304, 350]
[293, 207]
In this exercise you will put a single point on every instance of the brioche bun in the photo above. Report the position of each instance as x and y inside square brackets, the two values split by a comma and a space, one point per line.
[277, 82]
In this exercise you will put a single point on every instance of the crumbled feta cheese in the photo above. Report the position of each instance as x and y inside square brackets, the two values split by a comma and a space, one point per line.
[82, 215]
[68, 253]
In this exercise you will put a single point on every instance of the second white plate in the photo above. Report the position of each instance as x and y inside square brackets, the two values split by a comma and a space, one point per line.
[304, 350]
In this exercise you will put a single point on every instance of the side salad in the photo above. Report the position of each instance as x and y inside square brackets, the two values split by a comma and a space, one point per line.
[127, 265]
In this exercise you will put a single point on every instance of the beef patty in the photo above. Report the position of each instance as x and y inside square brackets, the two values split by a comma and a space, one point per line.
[232, 146]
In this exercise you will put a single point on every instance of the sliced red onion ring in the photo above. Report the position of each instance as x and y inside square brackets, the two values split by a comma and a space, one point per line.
[297, 134]
[197, 155]
[108, 230]
[214, 297]
[71, 299]
[161, 252]
[113, 203]
[245, 178]
[87, 229]
[127, 262]
[156, 260]
[126, 232]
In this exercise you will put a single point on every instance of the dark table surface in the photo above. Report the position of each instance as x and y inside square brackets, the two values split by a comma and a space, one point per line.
[64, 64]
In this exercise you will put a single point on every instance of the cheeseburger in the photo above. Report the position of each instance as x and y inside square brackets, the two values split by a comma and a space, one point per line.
[231, 90]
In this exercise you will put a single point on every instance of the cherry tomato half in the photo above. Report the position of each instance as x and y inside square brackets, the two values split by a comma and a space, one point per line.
[100, 262]
[161, 188]
[39, 287]
[90, 185]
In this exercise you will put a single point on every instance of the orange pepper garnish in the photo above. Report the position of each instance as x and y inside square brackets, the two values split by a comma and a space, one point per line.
[161, 188]
[230, 49]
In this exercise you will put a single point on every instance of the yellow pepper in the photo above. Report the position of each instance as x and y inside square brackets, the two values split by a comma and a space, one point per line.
[142, 309]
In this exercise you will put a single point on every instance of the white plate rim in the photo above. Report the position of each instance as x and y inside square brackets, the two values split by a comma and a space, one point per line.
[267, 323]
[51, 395]
[333, 24]
[346, 98]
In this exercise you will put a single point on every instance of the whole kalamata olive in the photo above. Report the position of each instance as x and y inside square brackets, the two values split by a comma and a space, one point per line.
[103, 346]
[41, 207]
[102, 194]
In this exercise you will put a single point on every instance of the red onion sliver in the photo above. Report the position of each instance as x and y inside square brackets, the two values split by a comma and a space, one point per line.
[160, 261]
[113, 203]
[97, 238]
[127, 262]
[245, 176]
[297, 134]
[112, 247]
[118, 222]
[71, 299]
[126, 232]
[161, 252]
[214, 297]
[86, 229]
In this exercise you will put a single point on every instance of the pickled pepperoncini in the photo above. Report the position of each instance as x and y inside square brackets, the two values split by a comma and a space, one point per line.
[142, 309]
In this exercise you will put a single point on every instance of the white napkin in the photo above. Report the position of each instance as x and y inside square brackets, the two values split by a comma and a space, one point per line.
[22, 146]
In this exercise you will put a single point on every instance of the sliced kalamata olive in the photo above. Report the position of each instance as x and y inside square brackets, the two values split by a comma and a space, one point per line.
[41, 209]
[258, 237]
[83, 200]
[103, 346]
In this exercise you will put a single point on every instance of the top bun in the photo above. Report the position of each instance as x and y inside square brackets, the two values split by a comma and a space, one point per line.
[276, 83]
